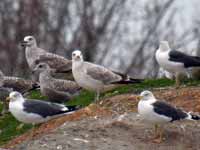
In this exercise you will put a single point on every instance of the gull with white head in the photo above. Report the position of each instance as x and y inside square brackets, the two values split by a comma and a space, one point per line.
[159, 112]
[95, 77]
[35, 111]
[174, 61]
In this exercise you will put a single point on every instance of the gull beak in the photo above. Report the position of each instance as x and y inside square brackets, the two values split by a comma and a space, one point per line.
[7, 99]
[78, 57]
[138, 97]
[23, 43]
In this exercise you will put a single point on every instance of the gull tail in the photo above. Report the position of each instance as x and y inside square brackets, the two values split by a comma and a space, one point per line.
[192, 116]
[193, 61]
[71, 109]
[127, 79]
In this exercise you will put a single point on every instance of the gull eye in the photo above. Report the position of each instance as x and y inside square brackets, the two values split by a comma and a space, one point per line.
[40, 66]
[30, 38]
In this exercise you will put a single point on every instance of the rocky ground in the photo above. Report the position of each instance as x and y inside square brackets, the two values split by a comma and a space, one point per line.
[114, 124]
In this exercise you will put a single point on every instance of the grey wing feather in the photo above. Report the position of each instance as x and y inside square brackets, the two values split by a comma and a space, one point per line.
[189, 61]
[18, 84]
[168, 110]
[43, 108]
[55, 61]
[56, 96]
[101, 73]
[65, 85]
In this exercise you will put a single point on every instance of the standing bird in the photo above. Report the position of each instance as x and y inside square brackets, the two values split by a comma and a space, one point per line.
[35, 111]
[160, 112]
[95, 77]
[175, 62]
[57, 90]
[35, 55]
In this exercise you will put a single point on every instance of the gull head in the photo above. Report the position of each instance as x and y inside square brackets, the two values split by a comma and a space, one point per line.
[146, 95]
[15, 96]
[29, 41]
[164, 46]
[41, 67]
[77, 55]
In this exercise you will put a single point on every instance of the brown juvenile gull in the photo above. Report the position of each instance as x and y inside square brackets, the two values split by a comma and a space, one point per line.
[17, 83]
[57, 90]
[35, 55]
[95, 77]
[159, 112]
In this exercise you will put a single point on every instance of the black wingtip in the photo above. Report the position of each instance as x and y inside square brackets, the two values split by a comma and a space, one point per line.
[195, 117]
[73, 108]
[136, 80]
[128, 81]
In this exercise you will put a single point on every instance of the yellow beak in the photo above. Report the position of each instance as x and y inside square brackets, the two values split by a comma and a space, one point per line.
[7, 99]
[138, 97]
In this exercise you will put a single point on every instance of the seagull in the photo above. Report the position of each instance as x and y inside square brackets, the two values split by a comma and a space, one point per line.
[17, 83]
[159, 112]
[35, 111]
[35, 55]
[174, 61]
[95, 77]
[57, 90]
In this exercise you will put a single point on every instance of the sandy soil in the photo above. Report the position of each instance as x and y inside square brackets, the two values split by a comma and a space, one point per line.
[114, 125]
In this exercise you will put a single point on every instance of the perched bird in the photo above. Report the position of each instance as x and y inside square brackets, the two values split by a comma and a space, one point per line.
[35, 55]
[57, 90]
[95, 77]
[17, 83]
[159, 112]
[174, 61]
[35, 111]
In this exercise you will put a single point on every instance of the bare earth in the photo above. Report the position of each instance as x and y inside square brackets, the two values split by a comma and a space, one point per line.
[114, 125]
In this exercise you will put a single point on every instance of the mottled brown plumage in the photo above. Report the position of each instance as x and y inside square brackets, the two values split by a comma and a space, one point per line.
[36, 55]
[17, 83]
[57, 90]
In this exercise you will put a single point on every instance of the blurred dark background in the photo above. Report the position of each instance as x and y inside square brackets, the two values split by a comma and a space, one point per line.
[119, 34]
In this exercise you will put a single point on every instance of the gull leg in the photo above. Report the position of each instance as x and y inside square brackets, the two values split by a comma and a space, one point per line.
[97, 96]
[156, 126]
[20, 126]
[159, 135]
[177, 80]
[32, 132]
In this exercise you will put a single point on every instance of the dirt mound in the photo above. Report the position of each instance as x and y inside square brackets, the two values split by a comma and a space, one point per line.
[91, 111]
[112, 125]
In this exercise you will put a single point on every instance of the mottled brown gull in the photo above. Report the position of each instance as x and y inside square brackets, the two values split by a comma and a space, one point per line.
[17, 83]
[57, 90]
[35, 55]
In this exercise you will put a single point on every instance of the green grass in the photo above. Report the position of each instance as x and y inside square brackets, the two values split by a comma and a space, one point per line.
[8, 123]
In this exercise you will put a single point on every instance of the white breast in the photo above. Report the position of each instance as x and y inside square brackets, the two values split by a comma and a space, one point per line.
[16, 108]
[83, 80]
[145, 109]
[163, 60]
